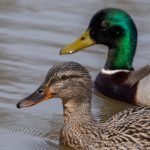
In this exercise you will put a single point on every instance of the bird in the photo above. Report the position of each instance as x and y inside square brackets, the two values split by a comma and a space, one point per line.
[118, 79]
[71, 82]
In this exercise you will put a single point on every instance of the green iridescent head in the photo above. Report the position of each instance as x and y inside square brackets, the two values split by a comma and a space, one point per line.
[114, 28]
[109, 25]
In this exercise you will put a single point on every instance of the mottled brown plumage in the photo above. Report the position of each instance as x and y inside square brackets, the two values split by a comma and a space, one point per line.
[128, 130]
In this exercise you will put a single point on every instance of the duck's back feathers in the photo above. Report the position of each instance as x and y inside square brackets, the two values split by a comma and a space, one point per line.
[133, 128]
[137, 75]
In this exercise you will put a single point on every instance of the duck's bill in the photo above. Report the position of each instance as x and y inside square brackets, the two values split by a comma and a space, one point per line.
[83, 42]
[35, 98]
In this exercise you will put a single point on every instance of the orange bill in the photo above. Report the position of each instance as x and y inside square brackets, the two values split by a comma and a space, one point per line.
[38, 96]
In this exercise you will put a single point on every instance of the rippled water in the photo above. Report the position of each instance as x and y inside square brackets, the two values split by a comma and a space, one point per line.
[31, 34]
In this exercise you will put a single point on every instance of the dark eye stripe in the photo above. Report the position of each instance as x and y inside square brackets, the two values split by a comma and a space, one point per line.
[64, 77]
[74, 76]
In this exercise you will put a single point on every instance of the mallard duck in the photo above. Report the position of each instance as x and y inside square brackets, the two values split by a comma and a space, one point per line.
[72, 83]
[118, 79]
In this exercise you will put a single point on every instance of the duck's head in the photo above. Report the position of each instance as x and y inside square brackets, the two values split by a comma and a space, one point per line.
[66, 80]
[108, 26]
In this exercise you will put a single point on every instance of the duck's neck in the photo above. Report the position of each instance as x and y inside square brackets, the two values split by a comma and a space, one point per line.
[79, 123]
[121, 54]
[75, 110]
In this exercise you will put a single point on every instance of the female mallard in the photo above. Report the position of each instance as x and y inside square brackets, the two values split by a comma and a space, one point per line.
[71, 82]
[116, 29]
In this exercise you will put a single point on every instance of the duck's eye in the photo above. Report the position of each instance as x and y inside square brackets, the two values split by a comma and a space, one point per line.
[41, 91]
[103, 24]
[64, 77]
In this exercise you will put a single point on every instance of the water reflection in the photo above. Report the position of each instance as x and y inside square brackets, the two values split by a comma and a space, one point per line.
[31, 34]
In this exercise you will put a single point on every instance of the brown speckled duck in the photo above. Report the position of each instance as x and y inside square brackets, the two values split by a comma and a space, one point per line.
[71, 82]
[118, 79]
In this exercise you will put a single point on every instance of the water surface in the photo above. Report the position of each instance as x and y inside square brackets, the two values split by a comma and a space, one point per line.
[31, 34]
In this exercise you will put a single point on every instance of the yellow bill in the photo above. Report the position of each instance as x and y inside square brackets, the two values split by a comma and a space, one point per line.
[83, 42]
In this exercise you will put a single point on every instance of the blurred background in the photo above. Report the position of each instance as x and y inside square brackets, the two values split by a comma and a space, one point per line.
[31, 34]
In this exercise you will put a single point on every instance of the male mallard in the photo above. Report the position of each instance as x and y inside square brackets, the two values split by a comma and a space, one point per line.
[72, 83]
[116, 29]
